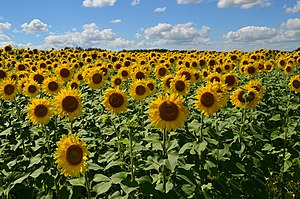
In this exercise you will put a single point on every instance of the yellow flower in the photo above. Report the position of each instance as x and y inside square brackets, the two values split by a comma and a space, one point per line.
[167, 112]
[52, 85]
[208, 101]
[31, 88]
[95, 78]
[39, 111]
[139, 90]
[231, 80]
[71, 155]
[8, 89]
[68, 103]
[180, 85]
[295, 83]
[115, 100]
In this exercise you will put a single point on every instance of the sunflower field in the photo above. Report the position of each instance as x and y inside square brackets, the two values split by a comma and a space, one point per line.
[94, 123]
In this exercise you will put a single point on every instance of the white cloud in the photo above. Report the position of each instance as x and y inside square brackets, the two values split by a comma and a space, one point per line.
[4, 26]
[4, 37]
[135, 2]
[293, 9]
[180, 35]
[98, 3]
[160, 9]
[34, 26]
[116, 21]
[285, 37]
[246, 4]
[91, 36]
[188, 1]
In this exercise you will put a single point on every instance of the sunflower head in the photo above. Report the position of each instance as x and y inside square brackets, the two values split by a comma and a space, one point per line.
[115, 100]
[295, 83]
[231, 80]
[167, 112]
[180, 85]
[31, 88]
[52, 85]
[139, 90]
[116, 80]
[95, 78]
[68, 103]
[71, 155]
[8, 89]
[39, 111]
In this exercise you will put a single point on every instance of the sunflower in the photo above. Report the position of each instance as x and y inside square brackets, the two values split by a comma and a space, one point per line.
[222, 90]
[124, 72]
[39, 111]
[187, 73]
[231, 80]
[180, 85]
[8, 48]
[288, 69]
[39, 75]
[31, 88]
[161, 71]
[257, 85]
[250, 70]
[214, 77]
[139, 90]
[245, 98]
[95, 78]
[115, 100]
[151, 84]
[73, 84]
[166, 82]
[205, 73]
[116, 80]
[281, 62]
[68, 103]
[295, 83]
[52, 85]
[207, 100]
[8, 89]
[167, 112]
[269, 66]
[64, 72]
[3, 73]
[139, 73]
[71, 155]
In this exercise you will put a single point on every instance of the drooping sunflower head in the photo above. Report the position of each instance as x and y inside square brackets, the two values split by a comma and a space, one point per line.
[8, 89]
[295, 83]
[31, 88]
[180, 85]
[52, 85]
[139, 90]
[71, 155]
[167, 112]
[68, 103]
[39, 111]
[115, 100]
[207, 100]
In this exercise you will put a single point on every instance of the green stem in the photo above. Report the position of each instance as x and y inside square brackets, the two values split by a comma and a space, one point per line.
[165, 156]
[242, 124]
[87, 186]
[201, 127]
[131, 157]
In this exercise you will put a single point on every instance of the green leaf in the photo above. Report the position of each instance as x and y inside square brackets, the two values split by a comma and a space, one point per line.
[185, 147]
[35, 160]
[287, 164]
[118, 177]
[102, 187]
[93, 166]
[171, 162]
[101, 178]
[275, 117]
[188, 189]
[169, 186]
[240, 166]
[78, 182]
[268, 147]
[37, 172]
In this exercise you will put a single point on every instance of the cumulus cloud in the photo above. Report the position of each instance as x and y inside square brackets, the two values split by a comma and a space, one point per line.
[181, 35]
[135, 2]
[98, 3]
[116, 21]
[294, 9]
[287, 36]
[188, 1]
[160, 9]
[91, 36]
[4, 26]
[4, 37]
[246, 4]
[34, 26]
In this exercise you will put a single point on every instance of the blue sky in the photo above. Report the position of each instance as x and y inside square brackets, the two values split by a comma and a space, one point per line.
[219, 25]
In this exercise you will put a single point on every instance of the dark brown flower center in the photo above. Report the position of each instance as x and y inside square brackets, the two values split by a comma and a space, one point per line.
[40, 110]
[229, 80]
[140, 90]
[150, 86]
[140, 75]
[162, 71]
[9, 89]
[187, 75]
[215, 78]
[207, 99]
[70, 104]
[80, 77]
[39, 78]
[296, 84]
[251, 70]
[53, 86]
[21, 67]
[74, 155]
[241, 97]
[64, 72]
[32, 88]
[104, 70]
[288, 69]
[116, 100]
[124, 73]
[2, 74]
[118, 81]
[74, 85]
[97, 78]
[179, 85]
[168, 82]
[168, 111]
